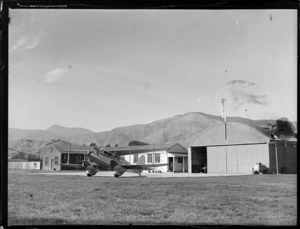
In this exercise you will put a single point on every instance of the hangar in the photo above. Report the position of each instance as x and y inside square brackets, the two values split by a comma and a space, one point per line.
[233, 148]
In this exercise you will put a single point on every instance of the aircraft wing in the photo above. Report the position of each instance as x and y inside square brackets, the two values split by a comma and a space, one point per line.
[143, 167]
[75, 166]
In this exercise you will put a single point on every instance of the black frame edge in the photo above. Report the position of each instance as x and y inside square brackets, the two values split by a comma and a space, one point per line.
[4, 19]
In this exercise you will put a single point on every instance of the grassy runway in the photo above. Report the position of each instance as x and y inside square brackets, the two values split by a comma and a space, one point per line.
[234, 200]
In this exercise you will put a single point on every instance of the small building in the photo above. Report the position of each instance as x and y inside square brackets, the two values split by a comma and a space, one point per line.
[19, 164]
[173, 154]
[62, 152]
[234, 148]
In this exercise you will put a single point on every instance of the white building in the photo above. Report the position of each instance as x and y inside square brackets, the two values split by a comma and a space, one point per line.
[62, 152]
[24, 165]
[174, 155]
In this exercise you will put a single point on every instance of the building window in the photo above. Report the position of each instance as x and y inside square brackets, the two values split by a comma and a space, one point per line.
[56, 161]
[46, 160]
[135, 158]
[64, 158]
[149, 158]
[180, 160]
[157, 158]
[76, 158]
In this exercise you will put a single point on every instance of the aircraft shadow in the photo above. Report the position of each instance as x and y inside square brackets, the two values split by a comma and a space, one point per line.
[132, 177]
[121, 177]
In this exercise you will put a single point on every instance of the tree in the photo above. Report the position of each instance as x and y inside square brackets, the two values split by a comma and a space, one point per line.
[93, 144]
[137, 143]
[108, 145]
[20, 155]
[33, 157]
[116, 145]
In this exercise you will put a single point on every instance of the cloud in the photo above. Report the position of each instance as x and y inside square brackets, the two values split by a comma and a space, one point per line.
[245, 99]
[28, 42]
[28, 30]
[132, 58]
[19, 43]
[54, 75]
[237, 22]
[35, 41]
[105, 69]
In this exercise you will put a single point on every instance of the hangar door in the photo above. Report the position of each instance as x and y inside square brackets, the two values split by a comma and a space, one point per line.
[286, 155]
[199, 159]
[236, 159]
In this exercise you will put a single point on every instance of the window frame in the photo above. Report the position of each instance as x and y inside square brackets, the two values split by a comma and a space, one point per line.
[56, 160]
[149, 156]
[46, 160]
[135, 158]
[64, 158]
[181, 160]
[157, 156]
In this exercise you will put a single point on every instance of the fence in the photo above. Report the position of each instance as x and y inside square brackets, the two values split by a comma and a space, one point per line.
[36, 165]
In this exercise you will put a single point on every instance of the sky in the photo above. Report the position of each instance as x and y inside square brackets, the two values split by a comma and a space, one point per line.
[102, 69]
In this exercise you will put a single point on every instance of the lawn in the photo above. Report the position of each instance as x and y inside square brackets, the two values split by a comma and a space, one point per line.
[233, 200]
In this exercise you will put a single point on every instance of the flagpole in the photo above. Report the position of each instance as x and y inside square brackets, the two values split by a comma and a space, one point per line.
[223, 101]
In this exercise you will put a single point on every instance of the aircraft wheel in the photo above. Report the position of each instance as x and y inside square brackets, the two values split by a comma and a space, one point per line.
[89, 175]
[116, 175]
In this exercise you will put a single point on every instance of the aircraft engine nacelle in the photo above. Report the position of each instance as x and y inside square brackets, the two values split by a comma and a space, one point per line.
[119, 170]
[91, 170]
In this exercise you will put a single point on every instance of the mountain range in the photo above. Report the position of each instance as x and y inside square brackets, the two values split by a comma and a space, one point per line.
[179, 128]
[53, 132]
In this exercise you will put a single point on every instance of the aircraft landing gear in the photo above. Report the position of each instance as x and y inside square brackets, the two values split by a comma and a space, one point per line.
[89, 175]
[140, 174]
[116, 175]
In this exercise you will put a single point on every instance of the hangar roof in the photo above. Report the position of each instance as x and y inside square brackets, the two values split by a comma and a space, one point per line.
[240, 133]
[237, 133]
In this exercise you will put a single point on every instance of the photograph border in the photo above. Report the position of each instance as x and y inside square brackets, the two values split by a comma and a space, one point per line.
[105, 5]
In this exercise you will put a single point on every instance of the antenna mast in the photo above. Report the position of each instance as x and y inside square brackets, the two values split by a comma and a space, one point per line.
[223, 101]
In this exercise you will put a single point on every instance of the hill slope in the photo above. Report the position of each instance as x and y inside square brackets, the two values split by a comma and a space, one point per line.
[68, 131]
[26, 146]
[177, 128]
[41, 135]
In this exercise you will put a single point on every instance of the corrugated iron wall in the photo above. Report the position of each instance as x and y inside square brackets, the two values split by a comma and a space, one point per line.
[291, 158]
[287, 157]
[236, 159]
[216, 160]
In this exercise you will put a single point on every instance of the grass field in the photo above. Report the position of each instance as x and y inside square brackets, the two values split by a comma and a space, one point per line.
[234, 200]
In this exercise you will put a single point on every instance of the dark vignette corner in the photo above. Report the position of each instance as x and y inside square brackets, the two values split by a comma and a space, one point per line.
[3, 110]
